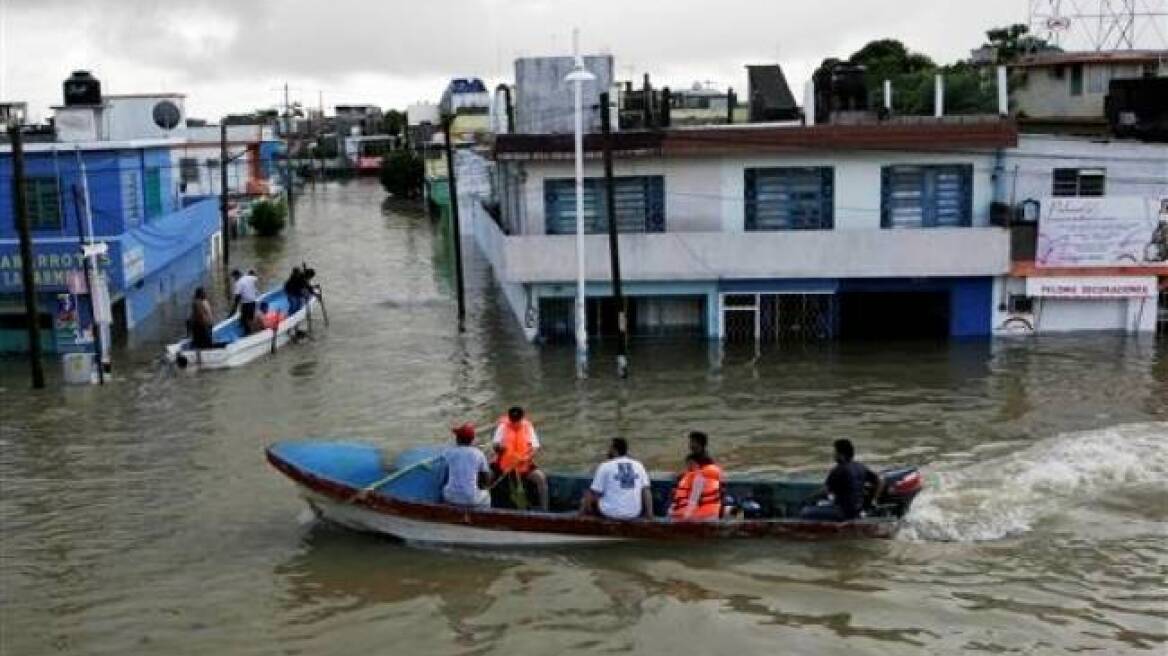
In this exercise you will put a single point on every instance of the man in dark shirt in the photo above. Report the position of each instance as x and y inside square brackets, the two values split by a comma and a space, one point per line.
[846, 487]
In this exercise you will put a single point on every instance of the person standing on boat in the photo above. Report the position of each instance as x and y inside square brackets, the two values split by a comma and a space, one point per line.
[620, 489]
[516, 444]
[296, 289]
[246, 291]
[467, 475]
[201, 320]
[846, 486]
[698, 493]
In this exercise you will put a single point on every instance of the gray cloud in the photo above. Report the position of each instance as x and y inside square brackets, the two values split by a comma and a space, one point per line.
[207, 42]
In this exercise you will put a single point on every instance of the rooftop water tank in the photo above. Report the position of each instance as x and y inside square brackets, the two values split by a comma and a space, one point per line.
[82, 89]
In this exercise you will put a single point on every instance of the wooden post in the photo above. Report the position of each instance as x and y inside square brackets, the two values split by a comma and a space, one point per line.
[452, 190]
[27, 279]
[622, 358]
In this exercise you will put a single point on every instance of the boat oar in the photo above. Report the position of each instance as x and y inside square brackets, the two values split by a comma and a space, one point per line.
[319, 294]
[393, 476]
[363, 492]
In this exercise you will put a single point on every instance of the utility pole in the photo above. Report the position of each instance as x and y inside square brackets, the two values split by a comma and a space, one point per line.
[224, 219]
[27, 280]
[622, 323]
[452, 191]
[288, 156]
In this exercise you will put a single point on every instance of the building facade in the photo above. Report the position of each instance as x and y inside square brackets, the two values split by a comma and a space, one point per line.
[1072, 87]
[159, 243]
[760, 232]
[1093, 254]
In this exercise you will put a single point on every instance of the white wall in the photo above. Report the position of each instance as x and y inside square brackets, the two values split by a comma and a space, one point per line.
[707, 194]
[1057, 315]
[1132, 168]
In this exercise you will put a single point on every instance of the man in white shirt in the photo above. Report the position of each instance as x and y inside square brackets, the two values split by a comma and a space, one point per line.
[467, 473]
[620, 489]
[246, 291]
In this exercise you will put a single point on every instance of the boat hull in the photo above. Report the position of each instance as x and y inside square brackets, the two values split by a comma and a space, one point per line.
[410, 511]
[242, 350]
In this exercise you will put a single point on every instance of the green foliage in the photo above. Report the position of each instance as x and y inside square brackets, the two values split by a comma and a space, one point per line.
[402, 174]
[268, 217]
[968, 89]
[1011, 42]
[393, 122]
[326, 147]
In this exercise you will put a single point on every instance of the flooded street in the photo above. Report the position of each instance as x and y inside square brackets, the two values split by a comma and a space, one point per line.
[142, 517]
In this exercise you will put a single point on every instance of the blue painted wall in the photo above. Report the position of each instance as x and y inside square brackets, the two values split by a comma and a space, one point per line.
[157, 248]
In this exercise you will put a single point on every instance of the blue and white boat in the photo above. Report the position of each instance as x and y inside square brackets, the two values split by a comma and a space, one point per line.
[234, 348]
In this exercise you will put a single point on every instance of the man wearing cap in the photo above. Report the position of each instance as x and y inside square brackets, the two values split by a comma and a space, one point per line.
[467, 473]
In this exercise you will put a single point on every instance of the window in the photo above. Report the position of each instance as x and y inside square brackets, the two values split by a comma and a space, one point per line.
[926, 196]
[1020, 304]
[40, 198]
[1079, 182]
[789, 199]
[189, 169]
[1097, 79]
[1077, 80]
[639, 201]
[153, 184]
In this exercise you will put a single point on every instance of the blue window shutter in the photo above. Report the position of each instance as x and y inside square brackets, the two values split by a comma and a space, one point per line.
[885, 197]
[655, 193]
[967, 192]
[751, 204]
[827, 198]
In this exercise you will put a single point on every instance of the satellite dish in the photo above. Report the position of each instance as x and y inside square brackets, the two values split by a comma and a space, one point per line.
[167, 115]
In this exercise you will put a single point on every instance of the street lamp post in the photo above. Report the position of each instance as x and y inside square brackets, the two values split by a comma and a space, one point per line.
[578, 77]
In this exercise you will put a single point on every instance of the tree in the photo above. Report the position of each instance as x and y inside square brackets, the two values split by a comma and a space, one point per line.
[1012, 41]
[267, 217]
[968, 89]
[402, 174]
[393, 122]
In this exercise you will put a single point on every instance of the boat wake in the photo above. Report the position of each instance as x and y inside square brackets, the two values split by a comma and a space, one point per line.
[1008, 495]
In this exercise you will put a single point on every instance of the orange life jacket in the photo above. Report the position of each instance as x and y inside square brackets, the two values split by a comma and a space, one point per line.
[271, 320]
[709, 503]
[518, 450]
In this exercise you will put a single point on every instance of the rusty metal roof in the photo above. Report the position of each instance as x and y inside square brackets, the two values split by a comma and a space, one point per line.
[1090, 57]
[924, 135]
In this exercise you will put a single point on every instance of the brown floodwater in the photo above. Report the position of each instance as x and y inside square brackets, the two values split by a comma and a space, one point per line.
[141, 517]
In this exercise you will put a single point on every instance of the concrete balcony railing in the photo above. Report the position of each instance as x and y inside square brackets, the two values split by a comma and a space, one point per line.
[753, 255]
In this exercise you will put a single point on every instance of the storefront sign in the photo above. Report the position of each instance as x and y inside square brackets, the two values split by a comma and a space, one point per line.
[1108, 231]
[53, 264]
[1092, 287]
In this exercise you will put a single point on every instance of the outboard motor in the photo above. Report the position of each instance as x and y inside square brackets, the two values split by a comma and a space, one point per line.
[900, 488]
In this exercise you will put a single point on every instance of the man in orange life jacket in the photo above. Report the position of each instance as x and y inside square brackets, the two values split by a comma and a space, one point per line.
[698, 493]
[516, 444]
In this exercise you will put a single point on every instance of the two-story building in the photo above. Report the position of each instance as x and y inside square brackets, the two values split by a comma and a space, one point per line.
[108, 175]
[760, 231]
[1090, 236]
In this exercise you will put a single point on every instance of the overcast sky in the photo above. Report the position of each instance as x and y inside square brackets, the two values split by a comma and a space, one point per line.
[234, 55]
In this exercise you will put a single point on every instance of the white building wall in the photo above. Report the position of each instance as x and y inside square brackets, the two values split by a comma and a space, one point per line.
[1062, 315]
[707, 194]
[1132, 168]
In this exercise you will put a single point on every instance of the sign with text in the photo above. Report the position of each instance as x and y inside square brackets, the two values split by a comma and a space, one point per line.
[1105, 232]
[1093, 287]
[54, 265]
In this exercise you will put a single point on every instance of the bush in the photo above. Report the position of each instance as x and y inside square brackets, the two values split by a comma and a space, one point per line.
[402, 174]
[267, 217]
